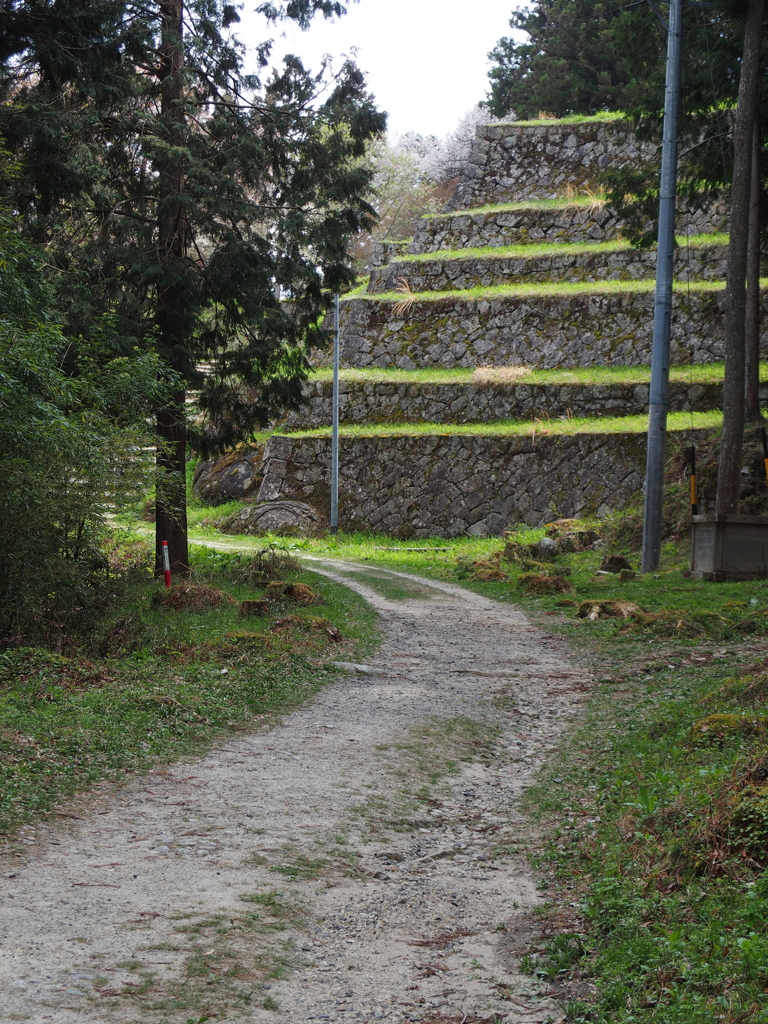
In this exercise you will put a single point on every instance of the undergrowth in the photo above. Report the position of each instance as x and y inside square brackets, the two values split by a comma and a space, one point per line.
[164, 672]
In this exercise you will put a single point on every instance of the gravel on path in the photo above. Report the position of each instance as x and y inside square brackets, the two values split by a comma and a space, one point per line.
[358, 862]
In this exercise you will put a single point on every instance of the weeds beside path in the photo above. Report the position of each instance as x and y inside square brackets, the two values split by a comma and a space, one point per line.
[156, 682]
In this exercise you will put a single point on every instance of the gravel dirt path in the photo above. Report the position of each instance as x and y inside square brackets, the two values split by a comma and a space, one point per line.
[358, 862]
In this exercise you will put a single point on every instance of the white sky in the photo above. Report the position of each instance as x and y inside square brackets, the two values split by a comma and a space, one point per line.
[426, 60]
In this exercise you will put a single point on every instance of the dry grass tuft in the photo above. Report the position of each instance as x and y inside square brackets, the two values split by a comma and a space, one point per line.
[717, 728]
[742, 689]
[593, 610]
[254, 608]
[597, 199]
[615, 564]
[307, 625]
[487, 569]
[403, 307]
[192, 597]
[296, 593]
[537, 583]
[499, 374]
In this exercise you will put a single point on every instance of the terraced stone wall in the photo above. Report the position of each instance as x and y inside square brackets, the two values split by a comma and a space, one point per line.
[540, 161]
[544, 330]
[384, 402]
[576, 222]
[424, 486]
[383, 252]
[705, 263]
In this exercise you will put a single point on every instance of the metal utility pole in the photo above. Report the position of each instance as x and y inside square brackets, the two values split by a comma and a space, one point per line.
[662, 310]
[335, 421]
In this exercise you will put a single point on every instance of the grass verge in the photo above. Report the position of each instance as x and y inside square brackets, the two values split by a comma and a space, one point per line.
[539, 122]
[160, 680]
[563, 203]
[553, 249]
[696, 373]
[677, 421]
[544, 290]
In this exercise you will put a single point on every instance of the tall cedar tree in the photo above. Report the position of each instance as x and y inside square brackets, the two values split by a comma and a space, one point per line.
[571, 61]
[729, 468]
[186, 200]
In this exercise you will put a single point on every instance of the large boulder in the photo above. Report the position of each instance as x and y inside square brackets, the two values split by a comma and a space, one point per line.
[231, 477]
[289, 518]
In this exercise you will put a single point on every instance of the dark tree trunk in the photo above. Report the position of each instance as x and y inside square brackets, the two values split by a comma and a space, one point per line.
[752, 328]
[171, 318]
[729, 469]
[171, 503]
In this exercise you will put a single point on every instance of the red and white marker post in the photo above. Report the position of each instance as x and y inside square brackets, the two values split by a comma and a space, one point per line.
[166, 564]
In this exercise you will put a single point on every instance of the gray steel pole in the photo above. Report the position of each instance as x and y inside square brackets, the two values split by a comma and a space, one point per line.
[662, 310]
[335, 421]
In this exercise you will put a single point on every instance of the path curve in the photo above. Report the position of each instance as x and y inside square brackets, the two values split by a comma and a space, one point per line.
[327, 869]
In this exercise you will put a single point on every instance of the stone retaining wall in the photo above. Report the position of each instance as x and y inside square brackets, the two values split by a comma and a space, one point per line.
[385, 402]
[700, 262]
[547, 331]
[541, 224]
[384, 252]
[509, 161]
[448, 486]
[516, 227]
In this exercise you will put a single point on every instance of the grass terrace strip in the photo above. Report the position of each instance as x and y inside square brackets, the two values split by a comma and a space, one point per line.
[523, 291]
[539, 122]
[567, 427]
[561, 203]
[696, 373]
[552, 249]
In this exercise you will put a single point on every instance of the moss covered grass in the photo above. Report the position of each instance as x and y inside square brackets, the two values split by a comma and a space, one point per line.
[677, 421]
[546, 289]
[562, 203]
[157, 681]
[696, 373]
[602, 117]
[553, 249]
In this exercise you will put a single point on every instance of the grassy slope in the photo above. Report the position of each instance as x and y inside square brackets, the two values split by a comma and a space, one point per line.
[538, 122]
[154, 684]
[504, 428]
[553, 249]
[563, 203]
[696, 373]
[544, 290]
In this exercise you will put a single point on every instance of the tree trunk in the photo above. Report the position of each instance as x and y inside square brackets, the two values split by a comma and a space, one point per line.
[171, 314]
[729, 469]
[752, 323]
[171, 493]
